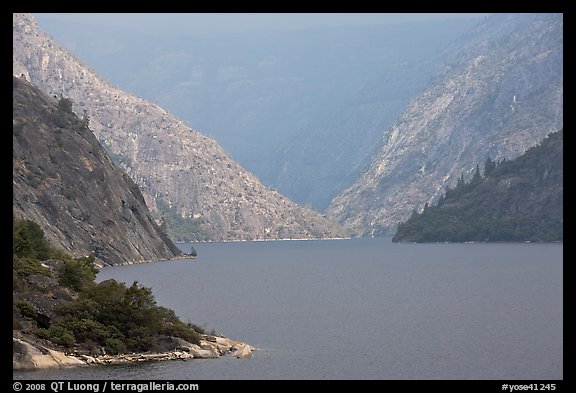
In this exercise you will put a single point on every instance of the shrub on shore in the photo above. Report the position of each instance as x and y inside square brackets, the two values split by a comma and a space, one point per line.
[108, 315]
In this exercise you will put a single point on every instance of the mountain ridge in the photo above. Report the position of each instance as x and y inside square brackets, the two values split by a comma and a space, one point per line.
[183, 169]
[64, 180]
[516, 200]
[300, 109]
[501, 94]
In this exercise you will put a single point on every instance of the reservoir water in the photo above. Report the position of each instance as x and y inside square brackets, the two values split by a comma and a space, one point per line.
[359, 309]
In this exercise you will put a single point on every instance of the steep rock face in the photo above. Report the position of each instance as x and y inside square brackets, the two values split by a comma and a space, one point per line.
[301, 109]
[501, 95]
[176, 166]
[64, 180]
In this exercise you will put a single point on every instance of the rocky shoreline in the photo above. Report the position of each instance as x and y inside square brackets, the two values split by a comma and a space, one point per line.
[30, 354]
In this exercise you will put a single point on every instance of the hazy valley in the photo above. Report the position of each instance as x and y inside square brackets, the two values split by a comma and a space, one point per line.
[143, 146]
[181, 172]
[300, 109]
[365, 122]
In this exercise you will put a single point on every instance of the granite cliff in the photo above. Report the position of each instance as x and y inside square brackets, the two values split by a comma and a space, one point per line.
[182, 173]
[302, 109]
[64, 180]
[500, 94]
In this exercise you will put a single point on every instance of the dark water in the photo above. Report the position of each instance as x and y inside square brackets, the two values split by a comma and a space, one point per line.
[360, 309]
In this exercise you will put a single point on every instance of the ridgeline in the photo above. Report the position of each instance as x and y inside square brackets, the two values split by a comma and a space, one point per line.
[516, 200]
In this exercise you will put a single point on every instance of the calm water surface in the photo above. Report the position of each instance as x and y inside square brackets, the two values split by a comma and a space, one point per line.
[360, 309]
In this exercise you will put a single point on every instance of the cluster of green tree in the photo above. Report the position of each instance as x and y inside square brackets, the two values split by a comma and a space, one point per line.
[516, 200]
[179, 228]
[106, 315]
[64, 116]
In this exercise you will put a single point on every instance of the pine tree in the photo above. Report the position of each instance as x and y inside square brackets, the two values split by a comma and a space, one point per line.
[65, 104]
[477, 178]
[489, 166]
[460, 181]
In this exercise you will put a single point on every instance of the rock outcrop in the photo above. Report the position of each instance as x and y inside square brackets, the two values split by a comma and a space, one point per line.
[30, 354]
[501, 94]
[64, 181]
[178, 169]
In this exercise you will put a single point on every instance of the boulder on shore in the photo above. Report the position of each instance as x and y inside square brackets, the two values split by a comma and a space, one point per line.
[27, 356]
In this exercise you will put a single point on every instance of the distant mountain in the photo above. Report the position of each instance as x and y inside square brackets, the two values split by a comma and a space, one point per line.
[303, 109]
[185, 176]
[501, 94]
[64, 180]
[517, 200]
